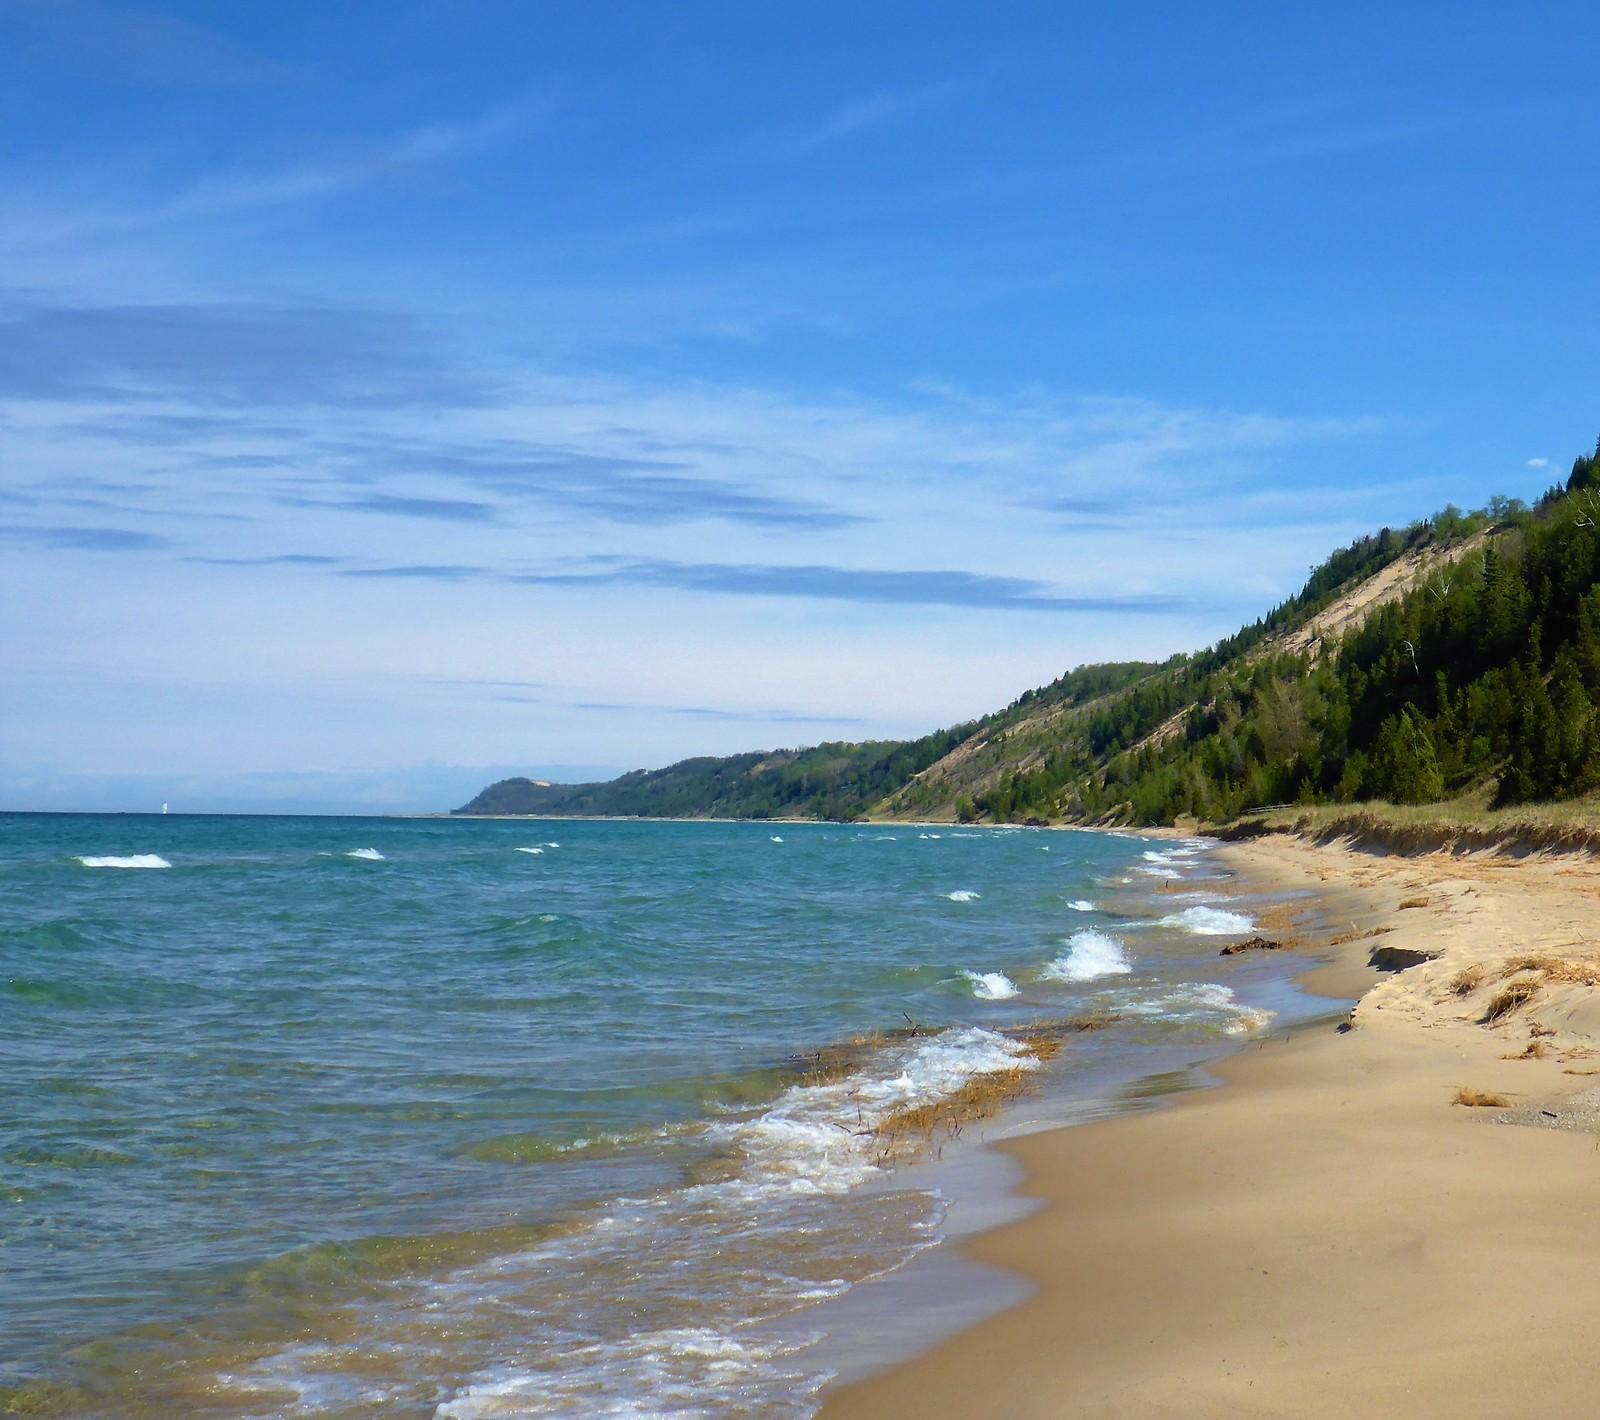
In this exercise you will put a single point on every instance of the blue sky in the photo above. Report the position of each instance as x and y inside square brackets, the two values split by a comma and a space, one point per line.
[398, 395]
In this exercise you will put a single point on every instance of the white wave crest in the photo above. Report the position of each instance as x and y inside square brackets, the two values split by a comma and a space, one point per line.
[963, 895]
[776, 839]
[991, 985]
[1081, 904]
[819, 1138]
[1209, 922]
[367, 855]
[132, 860]
[1090, 955]
[529, 850]
[1209, 998]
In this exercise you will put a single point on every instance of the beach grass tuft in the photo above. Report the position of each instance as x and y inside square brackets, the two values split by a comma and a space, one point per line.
[1507, 1000]
[919, 1127]
[1467, 980]
[1535, 1049]
[1044, 1036]
[1480, 1099]
[1563, 970]
[1353, 935]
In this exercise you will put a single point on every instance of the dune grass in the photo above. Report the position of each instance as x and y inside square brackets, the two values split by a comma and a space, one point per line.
[1565, 971]
[1463, 824]
[1508, 1000]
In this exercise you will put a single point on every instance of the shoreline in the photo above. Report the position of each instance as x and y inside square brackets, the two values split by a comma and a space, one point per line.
[1329, 1234]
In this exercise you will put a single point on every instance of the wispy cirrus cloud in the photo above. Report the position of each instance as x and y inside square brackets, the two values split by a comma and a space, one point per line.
[893, 587]
[349, 167]
[875, 111]
[83, 539]
[418, 572]
[142, 45]
[544, 693]
[243, 355]
[50, 217]
[278, 559]
[448, 510]
[250, 413]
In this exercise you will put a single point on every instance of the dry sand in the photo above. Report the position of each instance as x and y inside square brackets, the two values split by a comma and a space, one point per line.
[1329, 1234]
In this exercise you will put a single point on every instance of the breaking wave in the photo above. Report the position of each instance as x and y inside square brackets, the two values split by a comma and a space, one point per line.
[1209, 922]
[131, 860]
[991, 985]
[1090, 955]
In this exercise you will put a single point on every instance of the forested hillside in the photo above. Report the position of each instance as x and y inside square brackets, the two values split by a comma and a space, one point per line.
[830, 781]
[1414, 664]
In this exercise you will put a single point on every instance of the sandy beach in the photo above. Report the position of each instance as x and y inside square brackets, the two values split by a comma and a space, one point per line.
[1331, 1233]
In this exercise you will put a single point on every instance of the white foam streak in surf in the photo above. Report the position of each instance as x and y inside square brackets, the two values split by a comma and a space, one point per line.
[1090, 955]
[529, 850]
[963, 895]
[1081, 904]
[660, 1373]
[991, 985]
[367, 855]
[1209, 922]
[776, 839]
[132, 860]
[819, 1138]
[1203, 999]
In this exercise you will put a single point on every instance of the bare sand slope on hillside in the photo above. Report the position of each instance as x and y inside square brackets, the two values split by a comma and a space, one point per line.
[980, 760]
[1389, 585]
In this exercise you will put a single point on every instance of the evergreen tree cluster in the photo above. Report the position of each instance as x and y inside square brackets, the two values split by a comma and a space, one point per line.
[1488, 671]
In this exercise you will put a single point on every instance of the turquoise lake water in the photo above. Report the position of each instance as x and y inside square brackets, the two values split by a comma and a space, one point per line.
[356, 1117]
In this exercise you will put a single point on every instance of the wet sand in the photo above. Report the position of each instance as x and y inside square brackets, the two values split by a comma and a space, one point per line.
[1330, 1234]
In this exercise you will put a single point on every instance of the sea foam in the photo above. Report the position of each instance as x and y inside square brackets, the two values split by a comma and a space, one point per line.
[1090, 955]
[819, 1138]
[1207, 998]
[991, 985]
[1209, 922]
[529, 850]
[963, 895]
[367, 855]
[131, 860]
[1081, 904]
